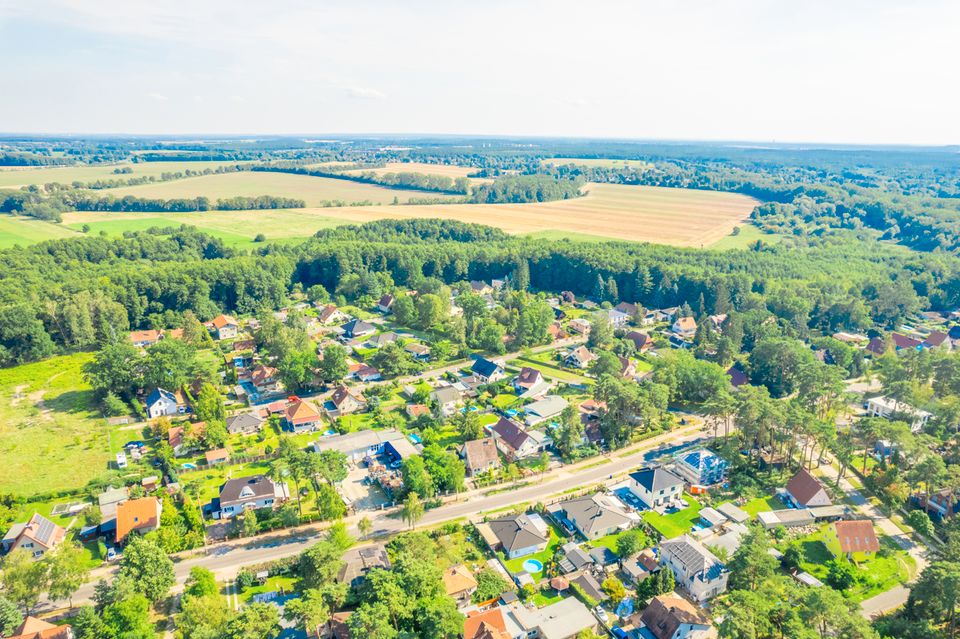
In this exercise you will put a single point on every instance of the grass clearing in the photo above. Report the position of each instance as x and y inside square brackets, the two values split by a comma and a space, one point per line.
[674, 524]
[762, 505]
[272, 584]
[747, 235]
[15, 177]
[26, 231]
[51, 435]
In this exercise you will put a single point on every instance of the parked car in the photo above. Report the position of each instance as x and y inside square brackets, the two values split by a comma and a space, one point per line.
[111, 554]
[601, 614]
[619, 633]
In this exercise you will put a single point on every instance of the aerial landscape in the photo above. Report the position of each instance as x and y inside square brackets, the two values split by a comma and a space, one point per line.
[440, 321]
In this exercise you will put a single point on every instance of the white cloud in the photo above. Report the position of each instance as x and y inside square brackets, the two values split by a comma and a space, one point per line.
[365, 93]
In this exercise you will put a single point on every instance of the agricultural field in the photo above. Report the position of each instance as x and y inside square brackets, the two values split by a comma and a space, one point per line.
[15, 177]
[25, 231]
[598, 162]
[448, 170]
[51, 437]
[315, 191]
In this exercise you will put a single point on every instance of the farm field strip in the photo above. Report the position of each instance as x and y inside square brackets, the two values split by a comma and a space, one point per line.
[25, 231]
[15, 177]
[448, 170]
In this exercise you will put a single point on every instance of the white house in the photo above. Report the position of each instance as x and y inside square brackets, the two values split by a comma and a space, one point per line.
[163, 403]
[695, 569]
[655, 486]
[888, 408]
[579, 357]
[250, 493]
[685, 327]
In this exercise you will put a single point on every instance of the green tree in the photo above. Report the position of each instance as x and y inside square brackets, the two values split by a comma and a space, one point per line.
[601, 331]
[364, 526]
[115, 369]
[614, 588]
[170, 364]
[10, 617]
[751, 564]
[23, 579]
[66, 571]
[148, 568]
[333, 366]
[489, 585]
[412, 511]
[372, 620]
[200, 583]
[630, 542]
[254, 621]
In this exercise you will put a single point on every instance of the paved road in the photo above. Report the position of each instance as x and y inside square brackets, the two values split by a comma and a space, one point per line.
[226, 558]
[896, 596]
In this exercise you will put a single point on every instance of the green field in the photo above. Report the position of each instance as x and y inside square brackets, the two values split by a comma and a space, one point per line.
[313, 190]
[16, 177]
[748, 235]
[51, 437]
[26, 231]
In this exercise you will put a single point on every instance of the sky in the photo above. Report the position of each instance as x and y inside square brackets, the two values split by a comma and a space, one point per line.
[839, 71]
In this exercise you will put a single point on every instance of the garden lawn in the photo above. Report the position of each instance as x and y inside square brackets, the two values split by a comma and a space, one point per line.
[677, 523]
[546, 597]
[551, 370]
[762, 505]
[272, 584]
[504, 401]
[515, 566]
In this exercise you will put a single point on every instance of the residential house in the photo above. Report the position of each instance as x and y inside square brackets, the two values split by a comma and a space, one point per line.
[904, 342]
[385, 303]
[224, 327]
[598, 515]
[37, 536]
[805, 491]
[514, 442]
[480, 456]
[417, 410]
[526, 379]
[666, 314]
[249, 493]
[330, 314]
[162, 403]
[579, 325]
[382, 339]
[447, 399]
[655, 487]
[877, 346]
[244, 424]
[579, 357]
[564, 619]
[360, 444]
[459, 583]
[108, 501]
[685, 327]
[366, 373]
[575, 559]
[669, 616]
[301, 416]
[938, 340]
[717, 321]
[419, 351]
[344, 401]
[701, 467]
[137, 515]
[486, 624]
[544, 409]
[184, 439]
[854, 540]
[618, 319]
[487, 370]
[266, 380]
[641, 341]
[357, 328]
[217, 456]
[889, 408]
[480, 287]
[357, 562]
[33, 628]
[627, 308]
[695, 569]
[628, 370]
[519, 535]
[142, 339]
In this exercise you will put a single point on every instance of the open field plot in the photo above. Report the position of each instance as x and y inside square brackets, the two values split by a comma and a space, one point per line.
[51, 437]
[449, 170]
[597, 162]
[17, 177]
[26, 231]
[313, 190]
[745, 237]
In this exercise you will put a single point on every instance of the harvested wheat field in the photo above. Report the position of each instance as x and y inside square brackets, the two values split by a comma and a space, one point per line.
[15, 177]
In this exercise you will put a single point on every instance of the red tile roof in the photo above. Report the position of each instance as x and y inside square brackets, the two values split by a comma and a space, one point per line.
[857, 536]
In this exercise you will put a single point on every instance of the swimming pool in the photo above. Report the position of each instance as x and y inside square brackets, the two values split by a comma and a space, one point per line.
[532, 566]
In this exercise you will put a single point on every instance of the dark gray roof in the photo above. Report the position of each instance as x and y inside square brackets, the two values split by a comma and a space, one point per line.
[589, 514]
[356, 327]
[516, 532]
[510, 432]
[692, 554]
[589, 586]
[243, 422]
[232, 491]
[656, 479]
[484, 367]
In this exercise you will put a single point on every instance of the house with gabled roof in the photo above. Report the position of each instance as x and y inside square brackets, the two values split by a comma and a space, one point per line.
[37, 536]
[163, 403]
[143, 339]
[669, 616]
[519, 535]
[579, 357]
[34, 628]
[385, 303]
[805, 491]
[459, 583]
[249, 493]
[480, 456]
[695, 569]
[330, 314]
[855, 540]
[526, 379]
[448, 399]
[486, 624]
[266, 379]
[515, 442]
[938, 340]
[359, 561]
[737, 377]
[627, 308]
[382, 339]
[641, 341]
[300, 416]
[419, 351]
[344, 401]
[598, 515]
[357, 328]
[244, 424]
[137, 515]
[487, 370]
[617, 319]
[223, 327]
[685, 327]
[544, 409]
[655, 487]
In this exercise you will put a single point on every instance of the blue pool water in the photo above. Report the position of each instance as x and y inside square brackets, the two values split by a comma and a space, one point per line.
[188, 465]
[532, 566]
[414, 438]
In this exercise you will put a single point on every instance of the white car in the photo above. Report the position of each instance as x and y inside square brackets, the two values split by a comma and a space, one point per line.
[601, 614]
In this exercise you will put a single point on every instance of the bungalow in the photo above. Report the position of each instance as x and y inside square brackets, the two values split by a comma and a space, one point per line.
[666, 314]
[695, 569]
[137, 515]
[385, 303]
[418, 351]
[669, 616]
[417, 410]
[905, 342]
[162, 403]
[519, 535]
[142, 339]
[854, 540]
[617, 319]
[184, 439]
[701, 468]
[487, 370]
[888, 408]
[382, 339]
[938, 340]
[246, 493]
[223, 326]
[447, 399]
[641, 341]
[579, 357]
[330, 314]
[357, 562]
[217, 456]
[266, 380]
[301, 416]
[513, 441]
[655, 487]
[357, 328]
[366, 373]
[685, 327]
[564, 619]
[877, 346]
[480, 456]
[344, 401]
[547, 408]
[598, 515]
[805, 491]
[244, 424]
[37, 536]
[360, 444]
[459, 583]
[579, 325]
[526, 379]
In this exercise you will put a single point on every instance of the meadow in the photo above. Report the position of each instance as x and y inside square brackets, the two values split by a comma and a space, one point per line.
[315, 191]
[25, 231]
[51, 436]
[16, 177]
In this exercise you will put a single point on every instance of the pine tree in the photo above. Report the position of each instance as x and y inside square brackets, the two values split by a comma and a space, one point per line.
[613, 292]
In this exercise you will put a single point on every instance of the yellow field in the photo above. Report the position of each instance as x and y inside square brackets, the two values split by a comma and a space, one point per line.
[313, 190]
[681, 217]
[17, 177]
[597, 162]
[447, 170]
